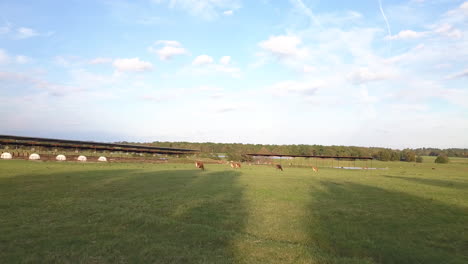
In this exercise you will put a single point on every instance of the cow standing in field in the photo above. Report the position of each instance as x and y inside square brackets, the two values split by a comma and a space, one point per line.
[315, 169]
[279, 167]
[199, 165]
[235, 165]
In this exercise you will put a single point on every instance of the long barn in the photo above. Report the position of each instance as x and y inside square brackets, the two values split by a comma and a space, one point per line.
[89, 145]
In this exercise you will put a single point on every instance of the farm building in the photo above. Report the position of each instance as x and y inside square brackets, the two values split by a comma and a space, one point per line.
[6, 155]
[34, 156]
[81, 158]
[102, 158]
[61, 157]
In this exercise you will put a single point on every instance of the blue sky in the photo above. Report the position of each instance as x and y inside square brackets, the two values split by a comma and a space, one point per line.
[371, 73]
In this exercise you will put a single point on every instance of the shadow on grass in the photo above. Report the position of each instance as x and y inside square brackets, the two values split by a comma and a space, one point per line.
[363, 224]
[121, 216]
[432, 182]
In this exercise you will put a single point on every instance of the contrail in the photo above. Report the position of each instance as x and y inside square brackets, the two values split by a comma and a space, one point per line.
[307, 11]
[386, 20]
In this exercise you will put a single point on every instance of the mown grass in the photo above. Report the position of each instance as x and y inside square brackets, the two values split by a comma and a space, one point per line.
[54, 212]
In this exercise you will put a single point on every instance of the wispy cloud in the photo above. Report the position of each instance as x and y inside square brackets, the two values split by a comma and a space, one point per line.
[6, 58]
[407, 34]
[132, 65]
[202, 60]
[284, 46]
[206, 9]
[458, 75]
[167, 49]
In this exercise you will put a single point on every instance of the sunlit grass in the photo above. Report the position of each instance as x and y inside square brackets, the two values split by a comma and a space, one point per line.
[173, 213]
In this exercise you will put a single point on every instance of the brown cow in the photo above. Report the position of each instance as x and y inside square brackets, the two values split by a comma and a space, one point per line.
[279, 167]
[235, 165]
[199, 165]
[315, 169]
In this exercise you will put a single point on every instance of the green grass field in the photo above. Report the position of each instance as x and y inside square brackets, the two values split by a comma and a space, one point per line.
[54, 212]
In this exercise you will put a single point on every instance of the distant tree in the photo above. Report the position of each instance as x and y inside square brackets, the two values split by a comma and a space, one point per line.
[384, 155]
[441, 159]
[395, 156]
[409, 156]
[419, 159]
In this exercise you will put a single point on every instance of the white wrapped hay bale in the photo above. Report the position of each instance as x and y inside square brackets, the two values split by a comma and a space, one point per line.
[61, 157]
[81, 158]
[102, 158]
[6, 155]
[34, 156]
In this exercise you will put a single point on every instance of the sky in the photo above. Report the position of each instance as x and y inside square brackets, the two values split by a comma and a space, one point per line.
[388, 73]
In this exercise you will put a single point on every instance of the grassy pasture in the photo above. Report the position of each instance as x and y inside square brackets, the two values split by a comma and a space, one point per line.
[53, 212]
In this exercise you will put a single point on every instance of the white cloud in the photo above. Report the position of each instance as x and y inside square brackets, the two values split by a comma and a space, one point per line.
[206, 88]
[202, 60]
[21, 59]
[5, 29]
[132, 65]
[4, 58]
[167, 49]
[228, 13]
[233, 71]
[308, 69]
[458, 75]
[296, 88]
[206, 9]
[407, 34]
[24, 33]
[225, 60]
[205, 64]
[284, 46]
[173, 43]
[43, 86]
[298, 4]
[448, 31]
[100, 60]
[365, 75]
[67, 61]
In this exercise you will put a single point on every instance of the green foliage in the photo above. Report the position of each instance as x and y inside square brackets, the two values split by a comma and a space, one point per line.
[238, 157]
[385, 155]
[419, 159]
[442, 159]
[395, 156]
[408, 155]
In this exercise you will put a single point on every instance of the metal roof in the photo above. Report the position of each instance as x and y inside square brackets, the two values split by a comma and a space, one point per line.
[51, 142]
[308, 156]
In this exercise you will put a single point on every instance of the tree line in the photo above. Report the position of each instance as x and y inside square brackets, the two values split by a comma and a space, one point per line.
[237, 151]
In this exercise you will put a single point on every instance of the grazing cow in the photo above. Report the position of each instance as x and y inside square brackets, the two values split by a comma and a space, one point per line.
[235, 165]
[315, 169]
[433, 168]
[279, 167]
[199, 165]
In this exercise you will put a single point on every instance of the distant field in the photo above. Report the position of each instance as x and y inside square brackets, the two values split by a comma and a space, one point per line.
[54, 212]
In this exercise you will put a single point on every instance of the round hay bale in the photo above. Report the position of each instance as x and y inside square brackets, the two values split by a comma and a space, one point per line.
[102, 158]
[81, 158]
[6, 155]
[61, 157]
[34, 156]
